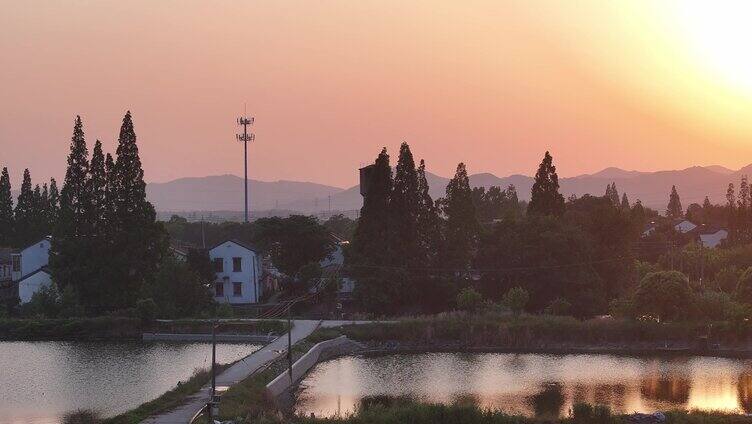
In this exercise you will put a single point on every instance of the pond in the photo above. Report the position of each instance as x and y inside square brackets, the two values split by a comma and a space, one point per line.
[531, 384]
[40, 381]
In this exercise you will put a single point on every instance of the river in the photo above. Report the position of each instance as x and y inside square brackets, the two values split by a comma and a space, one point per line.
[531, 384]
[40, 381]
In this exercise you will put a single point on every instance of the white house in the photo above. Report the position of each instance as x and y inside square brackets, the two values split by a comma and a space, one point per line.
[713, 238]
[29, 268]
[684, 226]
[32, 283]
[237, 266]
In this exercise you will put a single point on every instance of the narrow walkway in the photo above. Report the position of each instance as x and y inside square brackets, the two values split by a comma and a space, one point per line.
[236, 373]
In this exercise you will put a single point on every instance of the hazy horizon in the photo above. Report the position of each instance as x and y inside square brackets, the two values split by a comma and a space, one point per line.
[640, 85]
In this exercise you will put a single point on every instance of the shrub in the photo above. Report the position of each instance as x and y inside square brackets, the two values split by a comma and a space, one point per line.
[469, 299]
[558, 306]
[744, 286]
[146, 309]
[224, 310]
[82, 416]
[516, 299]
[663, 295]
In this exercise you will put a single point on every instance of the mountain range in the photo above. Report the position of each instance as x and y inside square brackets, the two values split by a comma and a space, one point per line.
[225, 192]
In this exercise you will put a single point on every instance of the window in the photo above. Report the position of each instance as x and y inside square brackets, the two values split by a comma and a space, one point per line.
[16, 263]
[219, 264]
[237, 289]
[237, 265]
[219, 289]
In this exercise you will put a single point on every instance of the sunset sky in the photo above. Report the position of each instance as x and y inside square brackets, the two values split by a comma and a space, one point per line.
[640, 85]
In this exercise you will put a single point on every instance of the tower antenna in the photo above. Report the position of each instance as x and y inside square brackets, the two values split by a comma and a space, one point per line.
[244, 122]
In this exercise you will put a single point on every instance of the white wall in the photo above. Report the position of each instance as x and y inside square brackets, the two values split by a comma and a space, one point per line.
[34, 257]
[32, 284]
[249, 276]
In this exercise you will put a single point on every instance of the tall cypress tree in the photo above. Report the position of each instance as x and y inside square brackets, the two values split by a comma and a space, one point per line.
[97, 189]
[403, 208]
[545, 198]
[624, 202]
[139, 239]
[69, 255]
[6, 210]
[674, 208]
[53, 205]
[461, 227]
[24, 213]
[369, 251]
[429, 231]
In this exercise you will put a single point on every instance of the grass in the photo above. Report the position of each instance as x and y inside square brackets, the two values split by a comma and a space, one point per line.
[533, 331]
[118, 328]
[248, 399]
[166, 401]
[82, 416]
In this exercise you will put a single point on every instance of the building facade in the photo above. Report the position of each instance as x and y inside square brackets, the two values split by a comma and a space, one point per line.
[237, 267]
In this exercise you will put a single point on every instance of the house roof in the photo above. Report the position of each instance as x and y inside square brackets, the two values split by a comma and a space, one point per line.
[48, 238]
[239, 243]
[43, 269]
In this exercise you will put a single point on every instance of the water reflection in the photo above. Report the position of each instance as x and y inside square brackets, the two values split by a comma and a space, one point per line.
[42, 380]
[533, 385]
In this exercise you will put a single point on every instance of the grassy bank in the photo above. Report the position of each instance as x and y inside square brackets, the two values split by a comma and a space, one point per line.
[118, 328]
[458, 329]
[168, 400]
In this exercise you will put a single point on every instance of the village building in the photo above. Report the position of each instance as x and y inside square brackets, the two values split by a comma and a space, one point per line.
[237, 267]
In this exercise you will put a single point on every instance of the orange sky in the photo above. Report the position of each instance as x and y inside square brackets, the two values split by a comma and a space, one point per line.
[637, 84]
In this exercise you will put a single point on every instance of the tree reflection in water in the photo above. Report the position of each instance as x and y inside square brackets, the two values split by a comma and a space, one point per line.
[549, 401]
[666, 388]
[744, 392]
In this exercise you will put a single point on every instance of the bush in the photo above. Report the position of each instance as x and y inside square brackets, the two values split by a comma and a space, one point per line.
[469, 299]
[82, 416]
[663, 295]
[559, 306]
[516, 299]
[224, 310]
[146, 309]
[744, 286]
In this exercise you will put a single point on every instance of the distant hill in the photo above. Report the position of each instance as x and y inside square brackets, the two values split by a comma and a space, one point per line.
[225, 192]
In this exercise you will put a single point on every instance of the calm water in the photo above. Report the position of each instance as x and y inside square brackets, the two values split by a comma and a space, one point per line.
[40, 381]
[531, 384]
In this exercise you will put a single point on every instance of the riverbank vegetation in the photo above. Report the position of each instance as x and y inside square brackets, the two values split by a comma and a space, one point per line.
[125, 328]
[504, 330]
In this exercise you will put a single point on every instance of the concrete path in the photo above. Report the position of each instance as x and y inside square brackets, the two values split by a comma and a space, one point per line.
[236, 373]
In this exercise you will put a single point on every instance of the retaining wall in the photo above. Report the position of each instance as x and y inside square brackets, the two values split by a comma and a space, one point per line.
[227, 338]
[318, 352]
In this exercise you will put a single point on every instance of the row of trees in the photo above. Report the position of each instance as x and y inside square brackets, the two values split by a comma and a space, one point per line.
[34, 214]
[411, 253]
[106, 243]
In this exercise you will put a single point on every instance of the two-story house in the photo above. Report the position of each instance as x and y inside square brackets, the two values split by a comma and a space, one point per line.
[237, 266]
[29, 269]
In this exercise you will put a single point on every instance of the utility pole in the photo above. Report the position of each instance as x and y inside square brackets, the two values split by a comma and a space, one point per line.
[289, 341]
[245, 138]
[213, 403]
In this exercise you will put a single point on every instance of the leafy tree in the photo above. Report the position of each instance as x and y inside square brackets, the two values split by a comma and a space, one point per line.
[341, 225]
[24, 213]
[558, 306]
[469, 299]
[664, 295]
[177, 290]
[461, 226]
[744, 286]
[612, 194]
[369, 250]
[545, 198]
[429, 229]
[6, 210]
[294, 242]
[404, 241]
[198, 261]
[69, 258]
[516, 299]
[695, 213]
[674, 208]
[53, 205]
[624, 202]
[139, 239]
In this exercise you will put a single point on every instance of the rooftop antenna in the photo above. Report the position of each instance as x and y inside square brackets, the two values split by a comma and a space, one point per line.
[244, 122]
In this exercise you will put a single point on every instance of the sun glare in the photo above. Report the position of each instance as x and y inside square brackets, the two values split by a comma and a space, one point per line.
[719, 34]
